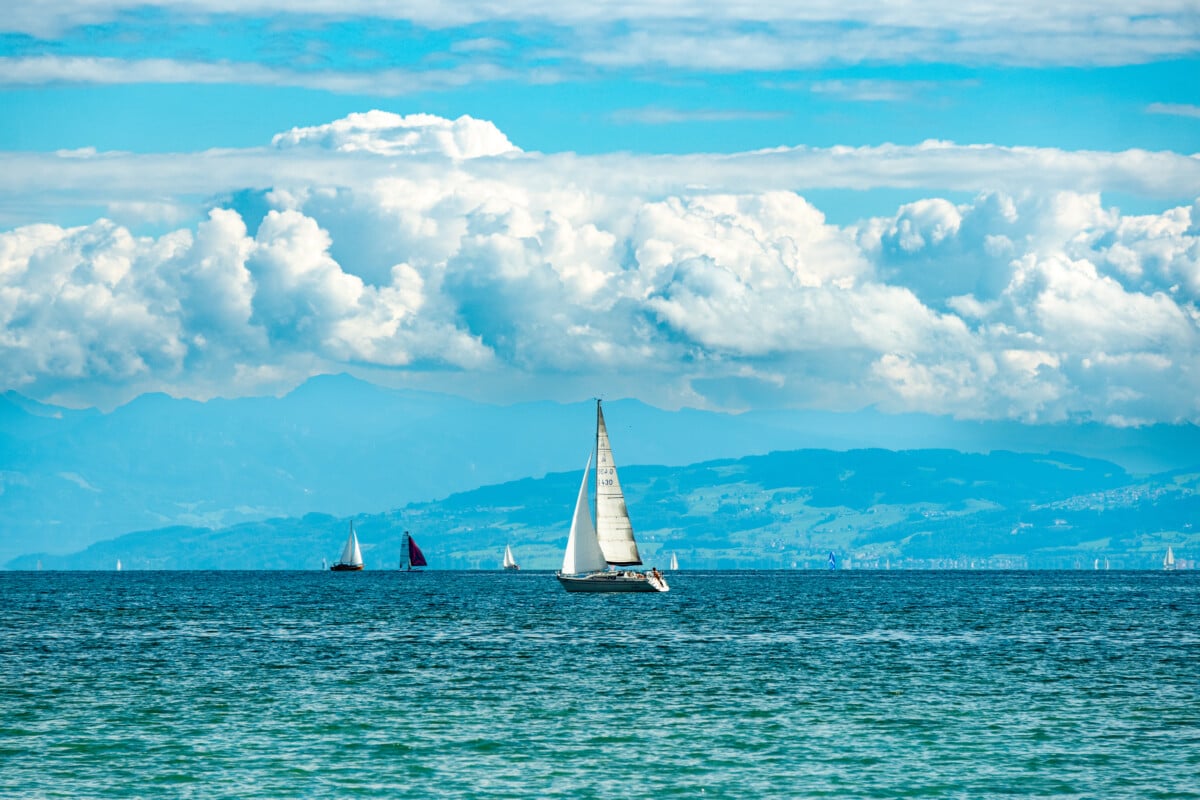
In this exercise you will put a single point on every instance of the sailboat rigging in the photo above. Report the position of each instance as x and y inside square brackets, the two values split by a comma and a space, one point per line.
[594, 547]
[413, 557]
[351, 559]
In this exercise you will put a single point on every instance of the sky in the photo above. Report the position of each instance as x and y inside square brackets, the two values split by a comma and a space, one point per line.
[980, 210]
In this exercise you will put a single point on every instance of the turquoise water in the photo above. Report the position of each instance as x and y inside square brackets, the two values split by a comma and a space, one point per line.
[733, 685]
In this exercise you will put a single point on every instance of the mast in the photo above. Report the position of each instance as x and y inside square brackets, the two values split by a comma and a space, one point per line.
[613, 528]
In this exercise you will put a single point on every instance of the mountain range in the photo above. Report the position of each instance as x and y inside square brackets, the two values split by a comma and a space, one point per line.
[871, 508]
[341, 447]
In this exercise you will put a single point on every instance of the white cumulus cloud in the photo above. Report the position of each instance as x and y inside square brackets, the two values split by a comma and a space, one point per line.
[395, 243]
[385, 133]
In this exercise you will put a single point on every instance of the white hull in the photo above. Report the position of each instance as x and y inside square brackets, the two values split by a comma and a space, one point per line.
[613, 582]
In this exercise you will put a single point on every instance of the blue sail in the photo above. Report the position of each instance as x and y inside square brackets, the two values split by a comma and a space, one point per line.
[832, 560]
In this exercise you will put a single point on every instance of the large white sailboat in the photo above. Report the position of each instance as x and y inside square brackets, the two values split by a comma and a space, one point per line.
[351, 559]
[509, 563]
[1169, 559]
[594, 547]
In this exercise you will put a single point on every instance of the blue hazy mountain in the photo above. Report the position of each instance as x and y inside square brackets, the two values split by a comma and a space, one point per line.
[875, 508]
[340, 446]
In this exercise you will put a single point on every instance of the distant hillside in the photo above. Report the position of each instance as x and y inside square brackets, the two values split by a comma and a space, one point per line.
[341, 446]
[874, 508]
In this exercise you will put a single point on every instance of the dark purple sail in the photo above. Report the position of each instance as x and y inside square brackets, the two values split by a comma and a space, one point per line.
[415, 557]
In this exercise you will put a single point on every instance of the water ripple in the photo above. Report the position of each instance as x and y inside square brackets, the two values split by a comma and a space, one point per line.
[734, 685]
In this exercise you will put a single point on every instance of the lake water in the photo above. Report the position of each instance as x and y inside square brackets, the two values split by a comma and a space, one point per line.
[733, 685]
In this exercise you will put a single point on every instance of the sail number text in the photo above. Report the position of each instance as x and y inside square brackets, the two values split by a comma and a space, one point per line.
[601, 481]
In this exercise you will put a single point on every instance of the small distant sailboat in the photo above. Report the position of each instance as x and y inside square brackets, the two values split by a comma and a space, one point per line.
[509, 562]
[413, 557]
[592, 547]
[351, 559]
[674, 562]
[118, 565]
[832, 560]
[1169, 560]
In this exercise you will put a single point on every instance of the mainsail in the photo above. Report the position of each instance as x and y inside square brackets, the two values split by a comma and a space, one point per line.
[613, 527]
[583, 552]
[415, 557]
[509, 561]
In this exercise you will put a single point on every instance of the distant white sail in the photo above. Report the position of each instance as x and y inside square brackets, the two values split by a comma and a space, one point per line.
[674, 562]
[351, 555]
[509, 561]
[613, 528]
[583, 552]
[1169, 561]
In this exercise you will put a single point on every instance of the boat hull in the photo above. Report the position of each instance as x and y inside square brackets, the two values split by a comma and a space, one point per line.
[346, 567]
[613, 582]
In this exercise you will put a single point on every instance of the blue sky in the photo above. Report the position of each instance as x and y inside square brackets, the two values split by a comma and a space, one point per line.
[976, 209]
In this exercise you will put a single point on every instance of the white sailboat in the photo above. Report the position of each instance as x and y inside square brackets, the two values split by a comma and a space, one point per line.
[674, 562]
[1169, 560]
[509, 561]
[118, 565]
[351, 559]
[608, 542]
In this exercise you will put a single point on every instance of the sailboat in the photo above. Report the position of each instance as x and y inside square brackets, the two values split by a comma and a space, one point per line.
[351, 559]
[413, 557]
[1169, 560]
[674, 562]
[832, 560]
[118, 565]
[593, 547]
[509, 562]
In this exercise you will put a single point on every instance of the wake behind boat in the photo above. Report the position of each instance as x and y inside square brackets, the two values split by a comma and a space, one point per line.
[593, 547]
[351, 560]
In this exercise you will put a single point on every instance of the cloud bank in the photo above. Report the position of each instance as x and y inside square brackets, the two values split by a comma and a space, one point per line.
[685, 34]
[435, 251]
